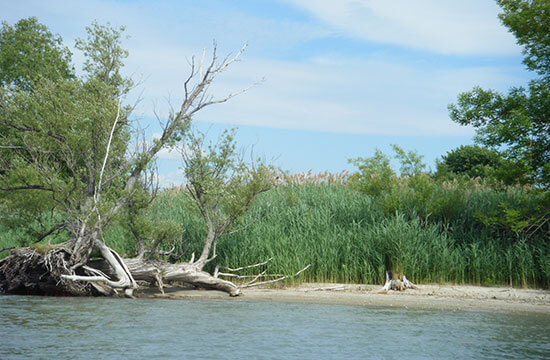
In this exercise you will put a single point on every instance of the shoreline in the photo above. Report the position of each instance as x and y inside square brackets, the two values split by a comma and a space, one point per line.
[426, 297]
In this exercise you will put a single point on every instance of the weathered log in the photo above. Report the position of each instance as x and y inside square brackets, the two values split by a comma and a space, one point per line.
[160, 272]
[187, 273]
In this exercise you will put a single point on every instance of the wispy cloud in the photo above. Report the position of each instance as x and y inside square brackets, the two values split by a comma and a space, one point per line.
[356, 95]
[442, 26]
[169, 179]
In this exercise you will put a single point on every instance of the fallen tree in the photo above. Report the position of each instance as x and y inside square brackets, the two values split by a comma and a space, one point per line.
[71, 162]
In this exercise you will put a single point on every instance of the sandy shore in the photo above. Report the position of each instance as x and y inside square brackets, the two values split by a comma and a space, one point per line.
[429, 297]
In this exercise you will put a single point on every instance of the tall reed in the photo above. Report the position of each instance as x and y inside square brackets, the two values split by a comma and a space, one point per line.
[349, 236]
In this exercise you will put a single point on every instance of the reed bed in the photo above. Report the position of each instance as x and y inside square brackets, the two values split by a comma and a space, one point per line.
[349, 236]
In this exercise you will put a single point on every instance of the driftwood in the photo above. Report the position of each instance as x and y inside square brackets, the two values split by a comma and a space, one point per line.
[396, 284]
[188, 273]
[256, 278]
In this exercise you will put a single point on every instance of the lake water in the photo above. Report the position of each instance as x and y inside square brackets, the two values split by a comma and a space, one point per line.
[103, 328]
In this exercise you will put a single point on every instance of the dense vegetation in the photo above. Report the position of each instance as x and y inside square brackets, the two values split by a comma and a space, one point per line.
[517, 122]
[451, 231]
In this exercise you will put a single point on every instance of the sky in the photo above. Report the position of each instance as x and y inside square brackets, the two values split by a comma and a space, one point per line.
[341, 78]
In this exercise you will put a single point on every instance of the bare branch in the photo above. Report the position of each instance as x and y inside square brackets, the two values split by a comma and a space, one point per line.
[27, 187]
[275, 280]
[51, 231]
[246, 267]
[29, 129]
[235, 276]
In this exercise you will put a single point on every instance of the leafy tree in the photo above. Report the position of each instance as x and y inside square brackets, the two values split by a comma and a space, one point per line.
[529, 21]
[104, 55]
[471, 160]
[222, 185]
[374, 175]
[475, 161]
[65, 164]
[411, 162]
[57, 130]
[29, 52]
[517, 122]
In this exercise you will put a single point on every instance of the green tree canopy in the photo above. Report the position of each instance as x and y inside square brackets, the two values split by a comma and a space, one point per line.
[475, 161]
[529, 21]
[471, 160]
[518, 122]
[54, 129]
[29, 52]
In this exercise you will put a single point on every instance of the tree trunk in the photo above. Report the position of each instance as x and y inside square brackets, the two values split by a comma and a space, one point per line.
[159, 272]
[396, 283]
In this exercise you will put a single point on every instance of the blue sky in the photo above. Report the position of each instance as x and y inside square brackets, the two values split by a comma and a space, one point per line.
[342, 77]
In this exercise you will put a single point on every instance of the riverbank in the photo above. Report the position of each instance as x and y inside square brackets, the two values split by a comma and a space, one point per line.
[426, 297]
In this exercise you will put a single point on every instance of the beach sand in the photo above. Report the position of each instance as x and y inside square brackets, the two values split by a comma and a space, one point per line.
[427, 297]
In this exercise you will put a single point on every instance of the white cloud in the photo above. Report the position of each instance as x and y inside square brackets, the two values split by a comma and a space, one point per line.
[169, 154]
[358, 95]
[442, 26]
[169, 179]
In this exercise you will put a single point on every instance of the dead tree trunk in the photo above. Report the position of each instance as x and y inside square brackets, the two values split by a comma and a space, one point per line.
[161, 272]
[29, 272]
[396, 283]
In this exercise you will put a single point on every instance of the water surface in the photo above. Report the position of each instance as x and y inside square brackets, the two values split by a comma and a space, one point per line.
[86, 328]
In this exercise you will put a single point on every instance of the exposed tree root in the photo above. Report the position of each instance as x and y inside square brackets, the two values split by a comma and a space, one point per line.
[125, 280]
[29, 272]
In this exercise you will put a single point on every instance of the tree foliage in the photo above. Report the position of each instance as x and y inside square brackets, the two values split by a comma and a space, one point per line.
[222, 184]
[518, 122]
[474, 161]
[411, 161]
[55, 129]
[29, 52]
[374, 174]
[529, 21]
